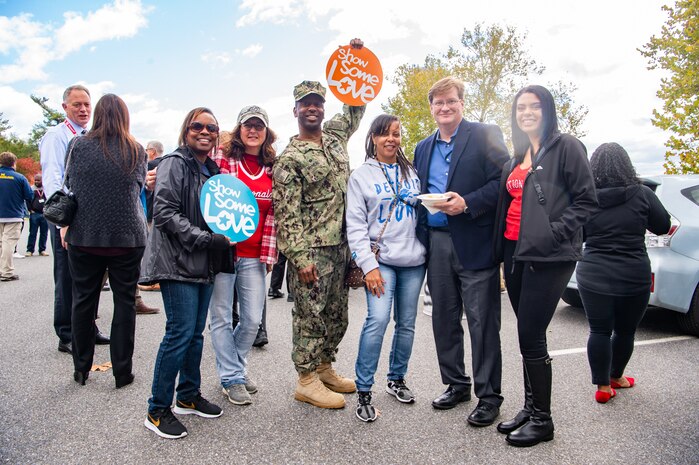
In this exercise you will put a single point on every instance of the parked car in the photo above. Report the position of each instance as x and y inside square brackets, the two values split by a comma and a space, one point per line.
[674, 257]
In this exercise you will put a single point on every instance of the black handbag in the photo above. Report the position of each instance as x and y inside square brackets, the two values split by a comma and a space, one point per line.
[60, 208]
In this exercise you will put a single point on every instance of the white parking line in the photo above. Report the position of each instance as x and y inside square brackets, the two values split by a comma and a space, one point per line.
[581, 350]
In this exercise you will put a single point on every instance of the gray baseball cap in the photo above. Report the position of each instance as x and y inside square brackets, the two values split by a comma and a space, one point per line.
[253, 111]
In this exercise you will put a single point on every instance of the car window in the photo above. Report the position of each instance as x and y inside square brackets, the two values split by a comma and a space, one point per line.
[692, 193]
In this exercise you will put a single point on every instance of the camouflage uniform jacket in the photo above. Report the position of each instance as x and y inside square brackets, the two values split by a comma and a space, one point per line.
[310, 185]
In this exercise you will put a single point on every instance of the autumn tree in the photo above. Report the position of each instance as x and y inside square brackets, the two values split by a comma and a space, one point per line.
[410, 103]
[676, 51]
[494, 64]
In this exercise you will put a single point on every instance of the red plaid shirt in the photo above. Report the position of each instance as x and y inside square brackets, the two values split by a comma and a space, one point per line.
[268, 251]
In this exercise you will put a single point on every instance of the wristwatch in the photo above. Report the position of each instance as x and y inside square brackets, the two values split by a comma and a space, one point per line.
[466, 209]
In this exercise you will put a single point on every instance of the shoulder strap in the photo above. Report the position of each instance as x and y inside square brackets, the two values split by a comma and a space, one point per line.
[390, 212]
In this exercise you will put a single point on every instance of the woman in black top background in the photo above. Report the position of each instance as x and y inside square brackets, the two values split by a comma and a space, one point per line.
[614, 277]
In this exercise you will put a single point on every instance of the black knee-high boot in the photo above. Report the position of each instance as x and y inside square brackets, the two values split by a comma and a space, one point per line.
[540, 425]
[523, 416]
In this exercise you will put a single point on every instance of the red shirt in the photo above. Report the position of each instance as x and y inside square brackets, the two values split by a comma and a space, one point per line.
[515, 185]
[260, 183]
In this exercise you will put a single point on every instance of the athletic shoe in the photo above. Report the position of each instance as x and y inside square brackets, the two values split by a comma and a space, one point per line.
[400, 391]
[17, 255]
[163, 423]
[44, 254]
[427, 310]
[250, 385]
[237, 394]
[198, 406]
[28, 254]
[365, 411]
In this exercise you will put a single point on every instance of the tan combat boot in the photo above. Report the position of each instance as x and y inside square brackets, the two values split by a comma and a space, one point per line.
[310, 389]
[333, 381]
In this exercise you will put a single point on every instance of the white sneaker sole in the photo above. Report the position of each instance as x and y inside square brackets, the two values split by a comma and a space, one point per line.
[155, 429]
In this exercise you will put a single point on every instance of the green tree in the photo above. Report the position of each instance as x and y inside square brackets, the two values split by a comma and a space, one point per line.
[51, 118]
[676, 51]
[410, 103]
[4, 125]
[493, 64]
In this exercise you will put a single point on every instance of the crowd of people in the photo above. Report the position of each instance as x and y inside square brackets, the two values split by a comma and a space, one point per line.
[139, 223]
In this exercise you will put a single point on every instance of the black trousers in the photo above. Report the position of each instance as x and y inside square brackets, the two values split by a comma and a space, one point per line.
[63, 287]
[534, 289]
[88, 270]
[278, 272]
[477, 293]
[613, 321]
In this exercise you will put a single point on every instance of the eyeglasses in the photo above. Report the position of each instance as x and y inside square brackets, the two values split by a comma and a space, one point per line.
[199, 127]
[452, 102]
[256, 126]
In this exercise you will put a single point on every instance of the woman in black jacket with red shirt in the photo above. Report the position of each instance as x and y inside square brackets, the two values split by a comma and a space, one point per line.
[614, 276]
[546, 195]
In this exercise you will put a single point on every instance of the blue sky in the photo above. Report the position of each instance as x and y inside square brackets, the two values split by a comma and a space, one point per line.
[165, 58]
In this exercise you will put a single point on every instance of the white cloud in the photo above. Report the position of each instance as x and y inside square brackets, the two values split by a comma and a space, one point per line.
[21, 112]
[273, 11]
[121, 19]
[36, 44]
[251, 51]
[216, 59]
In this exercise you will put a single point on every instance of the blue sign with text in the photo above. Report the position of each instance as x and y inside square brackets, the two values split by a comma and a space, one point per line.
[229, 207]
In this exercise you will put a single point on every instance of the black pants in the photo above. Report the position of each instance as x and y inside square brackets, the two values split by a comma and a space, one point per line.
[534, 289]
[63, 285]
[278, 274]
[87, 271]
[476, 293]
[613, 321]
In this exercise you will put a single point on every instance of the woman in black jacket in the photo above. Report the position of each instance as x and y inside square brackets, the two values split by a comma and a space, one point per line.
[106, 171]
[614, 276]
[179, 258]
[546, 195]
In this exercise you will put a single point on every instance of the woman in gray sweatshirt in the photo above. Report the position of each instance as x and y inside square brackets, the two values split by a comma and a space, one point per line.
[382, 202]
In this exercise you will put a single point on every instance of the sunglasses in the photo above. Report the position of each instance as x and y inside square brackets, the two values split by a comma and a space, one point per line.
[199, 127]
[256, 126]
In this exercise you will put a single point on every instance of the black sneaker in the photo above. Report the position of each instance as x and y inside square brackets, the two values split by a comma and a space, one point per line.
[365, 411]
[163, 423]
[198, 406]
[400, 391]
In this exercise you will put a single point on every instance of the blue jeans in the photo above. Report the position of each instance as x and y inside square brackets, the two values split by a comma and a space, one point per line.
[37, 222]
[402, 287]
[186, 307]
[233, 345]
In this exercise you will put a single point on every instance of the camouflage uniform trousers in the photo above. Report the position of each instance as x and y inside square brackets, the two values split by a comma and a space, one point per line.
[319, 317]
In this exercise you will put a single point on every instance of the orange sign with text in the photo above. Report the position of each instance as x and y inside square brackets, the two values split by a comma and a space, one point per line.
[354, 75]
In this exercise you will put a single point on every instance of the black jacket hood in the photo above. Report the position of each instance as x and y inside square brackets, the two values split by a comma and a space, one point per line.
[612, 196]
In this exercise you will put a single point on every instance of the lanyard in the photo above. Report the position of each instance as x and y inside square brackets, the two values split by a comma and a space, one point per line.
[384, 168]
[70, 126]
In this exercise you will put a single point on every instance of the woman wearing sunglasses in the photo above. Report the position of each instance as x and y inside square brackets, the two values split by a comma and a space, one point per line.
[249, 156]
[178, 257]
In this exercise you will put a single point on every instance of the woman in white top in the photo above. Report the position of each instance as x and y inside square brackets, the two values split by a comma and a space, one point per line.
[382, 196]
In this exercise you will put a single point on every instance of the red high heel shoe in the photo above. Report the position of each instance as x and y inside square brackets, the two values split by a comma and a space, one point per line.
[603, 397]
[616, 385]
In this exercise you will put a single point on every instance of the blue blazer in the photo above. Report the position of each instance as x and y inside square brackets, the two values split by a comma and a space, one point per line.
[474, 173]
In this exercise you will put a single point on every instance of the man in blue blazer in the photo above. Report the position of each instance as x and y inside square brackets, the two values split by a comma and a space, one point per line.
[463, 160]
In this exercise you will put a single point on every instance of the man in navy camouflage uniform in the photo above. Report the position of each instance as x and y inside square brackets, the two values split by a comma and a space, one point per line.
[310, 183]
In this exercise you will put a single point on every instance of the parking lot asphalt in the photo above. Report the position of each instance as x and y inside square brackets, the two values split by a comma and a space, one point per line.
[45, 417]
